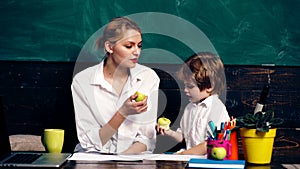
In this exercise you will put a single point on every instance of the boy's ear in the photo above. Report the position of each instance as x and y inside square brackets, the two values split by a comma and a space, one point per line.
[108, 47]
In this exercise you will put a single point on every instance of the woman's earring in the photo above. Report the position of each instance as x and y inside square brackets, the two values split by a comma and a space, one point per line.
[109, 52]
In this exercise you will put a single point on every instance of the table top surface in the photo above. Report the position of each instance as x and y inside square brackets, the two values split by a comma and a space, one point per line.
[147, 164]
[286, 151]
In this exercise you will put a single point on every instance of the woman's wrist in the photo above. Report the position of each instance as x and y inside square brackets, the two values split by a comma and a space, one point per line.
[116, 120]
[121, 114]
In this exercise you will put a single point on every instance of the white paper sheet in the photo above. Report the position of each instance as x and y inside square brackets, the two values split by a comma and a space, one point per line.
[172, 157]
[291, 166]
[106, 157]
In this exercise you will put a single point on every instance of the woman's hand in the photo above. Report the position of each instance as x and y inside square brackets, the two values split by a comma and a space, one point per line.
[130, 107]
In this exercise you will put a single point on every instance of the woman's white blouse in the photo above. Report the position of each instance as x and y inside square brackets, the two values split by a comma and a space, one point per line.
[96, 101]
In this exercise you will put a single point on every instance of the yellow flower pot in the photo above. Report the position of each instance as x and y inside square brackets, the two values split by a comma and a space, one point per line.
[257, 146]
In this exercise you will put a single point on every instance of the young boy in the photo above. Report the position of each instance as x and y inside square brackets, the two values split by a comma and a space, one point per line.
[204, 84]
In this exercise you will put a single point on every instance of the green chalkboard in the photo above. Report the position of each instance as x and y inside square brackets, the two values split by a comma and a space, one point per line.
[242, 32]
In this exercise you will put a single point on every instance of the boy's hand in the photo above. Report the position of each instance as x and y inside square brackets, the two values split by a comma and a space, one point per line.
[162, 131]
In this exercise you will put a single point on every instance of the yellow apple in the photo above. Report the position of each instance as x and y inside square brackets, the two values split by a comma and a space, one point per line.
[218, 153]
[164, 123]
[140, 96]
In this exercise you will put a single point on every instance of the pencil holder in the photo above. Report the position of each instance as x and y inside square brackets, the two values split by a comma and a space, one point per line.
[218, 143]
[234, 146]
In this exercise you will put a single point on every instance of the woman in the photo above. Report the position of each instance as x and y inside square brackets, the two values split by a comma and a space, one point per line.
[107, 117]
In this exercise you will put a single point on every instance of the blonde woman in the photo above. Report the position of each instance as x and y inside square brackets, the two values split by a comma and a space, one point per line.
[108, 119]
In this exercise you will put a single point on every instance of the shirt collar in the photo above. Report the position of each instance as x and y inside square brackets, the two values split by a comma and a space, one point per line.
[98, 77]
[134, 76]
[207, 102]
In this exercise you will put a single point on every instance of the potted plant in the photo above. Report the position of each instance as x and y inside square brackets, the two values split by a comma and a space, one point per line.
[257, 132]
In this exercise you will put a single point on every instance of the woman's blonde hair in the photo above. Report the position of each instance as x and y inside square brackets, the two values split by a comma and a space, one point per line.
[115, 29]
[207, 70]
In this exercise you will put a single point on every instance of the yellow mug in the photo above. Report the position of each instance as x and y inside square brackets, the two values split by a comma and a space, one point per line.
[53, 140]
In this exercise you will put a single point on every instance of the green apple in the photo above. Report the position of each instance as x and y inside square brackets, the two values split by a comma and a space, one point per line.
[164, 123]
[140, 96]
[218, 153]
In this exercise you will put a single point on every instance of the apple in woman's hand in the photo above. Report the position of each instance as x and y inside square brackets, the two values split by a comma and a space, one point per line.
[218, 153]
[140, 96]
[164, 123]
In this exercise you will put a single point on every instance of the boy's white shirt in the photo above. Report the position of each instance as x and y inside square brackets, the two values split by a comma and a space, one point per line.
[194, 121]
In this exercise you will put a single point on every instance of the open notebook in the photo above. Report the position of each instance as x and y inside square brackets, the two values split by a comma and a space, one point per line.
[24, 159]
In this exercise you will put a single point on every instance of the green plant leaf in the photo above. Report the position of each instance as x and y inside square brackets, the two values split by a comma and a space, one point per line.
[263, 129]
[276, 121]
[262, 121]
[269, 115]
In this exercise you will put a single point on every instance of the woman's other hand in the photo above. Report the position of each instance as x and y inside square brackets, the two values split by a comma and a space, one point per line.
[131, 107]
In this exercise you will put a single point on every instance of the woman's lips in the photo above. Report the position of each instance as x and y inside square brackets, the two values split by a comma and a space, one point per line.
[134, 60]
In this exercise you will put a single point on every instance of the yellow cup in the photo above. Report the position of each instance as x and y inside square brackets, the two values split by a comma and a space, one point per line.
[53, 140]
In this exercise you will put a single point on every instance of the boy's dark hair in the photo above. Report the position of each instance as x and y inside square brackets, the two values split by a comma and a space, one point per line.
[207, 70]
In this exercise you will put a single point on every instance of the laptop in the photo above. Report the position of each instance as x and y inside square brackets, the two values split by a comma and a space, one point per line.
[10, 158]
